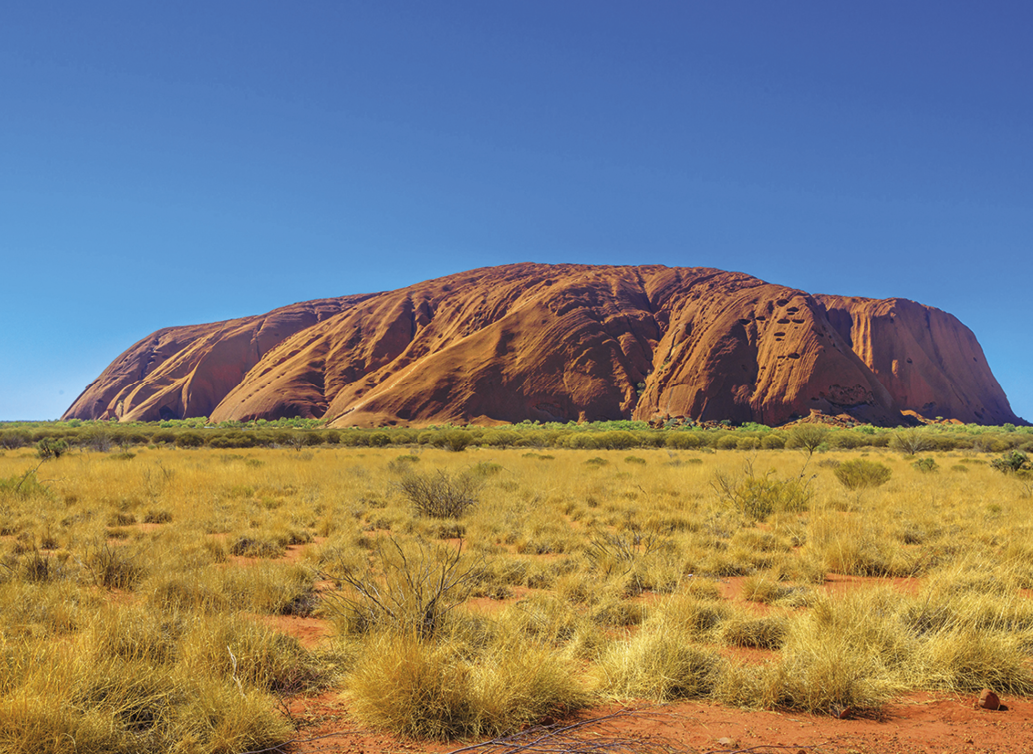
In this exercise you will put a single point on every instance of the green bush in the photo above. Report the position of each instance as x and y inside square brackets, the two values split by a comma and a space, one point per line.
[757, 497]
[684, 440]
[189, 440]
[455, 440]
[807, 437]
[861, 474]
[926, 465]
[48, 448]
[1012, 462]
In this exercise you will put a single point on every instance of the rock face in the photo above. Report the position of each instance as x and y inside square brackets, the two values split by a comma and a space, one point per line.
[560, 343]
[179, 372]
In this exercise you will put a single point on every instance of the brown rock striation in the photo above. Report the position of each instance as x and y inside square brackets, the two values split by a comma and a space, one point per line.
[930, 362]
[559, 343]
[178, 372]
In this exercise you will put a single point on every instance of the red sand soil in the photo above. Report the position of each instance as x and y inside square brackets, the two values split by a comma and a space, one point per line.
[915, 724]
[309, 632]
[918, 723]
[731, 586]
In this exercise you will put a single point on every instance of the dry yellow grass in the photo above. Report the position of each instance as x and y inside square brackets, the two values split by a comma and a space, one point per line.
[127, 617]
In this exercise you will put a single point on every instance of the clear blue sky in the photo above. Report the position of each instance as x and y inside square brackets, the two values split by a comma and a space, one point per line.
[173, 163]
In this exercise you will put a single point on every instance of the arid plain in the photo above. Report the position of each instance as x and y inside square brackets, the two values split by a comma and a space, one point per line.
[827, 589]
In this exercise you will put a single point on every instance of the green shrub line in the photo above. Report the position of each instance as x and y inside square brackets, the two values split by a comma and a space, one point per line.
[57, 437]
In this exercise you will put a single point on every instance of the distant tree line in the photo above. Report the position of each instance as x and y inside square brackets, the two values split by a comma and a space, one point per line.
[615, 435]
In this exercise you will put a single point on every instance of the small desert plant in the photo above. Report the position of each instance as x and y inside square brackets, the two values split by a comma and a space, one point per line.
[257, 547]
[404, 463]
[659, 663]
[695, 616]
[413, 587]
[412, 687]
[965, 660]
[1012, 462]
[25, 486]
[242, 649]
[757, 497]
[440, 495]
[426, 689]
[860, 474]
[114, 568]
[766, 632]
[926, 465]
[486, 469]
[618, 552]
[157, 516]
[911, 442]
[48, 448]
[765, 589]
[807, 437]
[865, 550]
[826, 674]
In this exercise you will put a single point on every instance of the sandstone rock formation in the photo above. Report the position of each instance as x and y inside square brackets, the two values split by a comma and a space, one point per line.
[559, 343]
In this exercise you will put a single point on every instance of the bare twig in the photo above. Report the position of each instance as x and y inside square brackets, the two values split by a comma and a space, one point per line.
[29, 473]
[240, 686]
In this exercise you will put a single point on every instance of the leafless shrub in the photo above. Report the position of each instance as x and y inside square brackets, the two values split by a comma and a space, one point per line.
[440, 495]
[410, 587]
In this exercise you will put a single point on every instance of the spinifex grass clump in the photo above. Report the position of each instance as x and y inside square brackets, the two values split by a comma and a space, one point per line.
[137, 680]
[765, 632]
[662, 663]
[859, 474]
[451, 689]
[425, 671]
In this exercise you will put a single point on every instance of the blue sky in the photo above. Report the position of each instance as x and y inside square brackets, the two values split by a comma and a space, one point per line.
[172, 163]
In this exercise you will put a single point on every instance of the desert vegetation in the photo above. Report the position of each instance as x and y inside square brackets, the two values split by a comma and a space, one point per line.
[473, 581]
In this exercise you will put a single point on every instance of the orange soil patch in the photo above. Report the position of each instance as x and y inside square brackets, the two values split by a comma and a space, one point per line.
[916, 724]
[309, 632]
[748, 655]
[294, 552]
[839, 583]
[491, 606]
[145, 527]
[835, 583]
